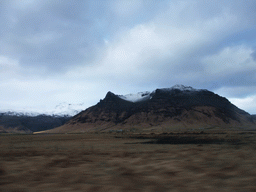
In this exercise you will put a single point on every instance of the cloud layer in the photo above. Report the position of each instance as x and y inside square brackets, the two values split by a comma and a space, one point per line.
[76, 51]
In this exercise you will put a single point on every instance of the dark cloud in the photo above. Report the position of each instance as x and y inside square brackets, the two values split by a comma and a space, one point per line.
[60, 34]
[254, 55]
[55, 35]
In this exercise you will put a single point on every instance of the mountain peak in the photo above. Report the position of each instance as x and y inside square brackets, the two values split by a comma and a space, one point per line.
[111, 97]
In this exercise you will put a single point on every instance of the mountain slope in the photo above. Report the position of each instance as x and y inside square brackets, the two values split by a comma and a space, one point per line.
[18, 123]
[175, 107]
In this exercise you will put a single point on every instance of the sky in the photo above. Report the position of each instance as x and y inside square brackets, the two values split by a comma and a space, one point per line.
[75, 51]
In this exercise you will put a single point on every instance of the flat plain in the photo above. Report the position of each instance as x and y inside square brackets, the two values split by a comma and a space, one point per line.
[171, 161]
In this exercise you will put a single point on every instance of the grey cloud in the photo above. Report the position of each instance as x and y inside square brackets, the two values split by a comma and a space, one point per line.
[76, 30]
[254, 55]
[74, 36]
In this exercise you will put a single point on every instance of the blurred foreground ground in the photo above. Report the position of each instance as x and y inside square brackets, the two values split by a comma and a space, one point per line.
[223, 161]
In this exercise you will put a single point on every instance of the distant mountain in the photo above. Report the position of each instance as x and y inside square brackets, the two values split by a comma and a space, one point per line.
[170, 108]
[28, 121]
[62, 109]
[12, 122]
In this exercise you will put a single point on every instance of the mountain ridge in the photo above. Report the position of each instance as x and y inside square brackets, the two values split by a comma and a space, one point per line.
[175, 107]
[12, 122]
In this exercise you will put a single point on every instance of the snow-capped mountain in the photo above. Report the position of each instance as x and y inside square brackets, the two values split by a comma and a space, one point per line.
[28, 121]
[62, 109]
[177, 107]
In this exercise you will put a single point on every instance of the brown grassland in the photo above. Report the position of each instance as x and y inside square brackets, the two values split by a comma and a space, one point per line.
[173, 161]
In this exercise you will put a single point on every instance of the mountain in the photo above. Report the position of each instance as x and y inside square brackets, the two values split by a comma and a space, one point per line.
[12, 122]
[22, 121]
[62, 109]
[29, 121]
[178, 107]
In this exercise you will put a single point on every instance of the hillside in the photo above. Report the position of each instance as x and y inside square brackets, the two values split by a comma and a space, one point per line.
[14, 123]
[178, 107]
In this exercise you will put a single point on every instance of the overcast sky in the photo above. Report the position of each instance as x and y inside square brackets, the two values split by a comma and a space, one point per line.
[75, 51]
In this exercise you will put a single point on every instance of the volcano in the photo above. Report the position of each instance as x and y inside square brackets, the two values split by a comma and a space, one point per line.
[178, 107]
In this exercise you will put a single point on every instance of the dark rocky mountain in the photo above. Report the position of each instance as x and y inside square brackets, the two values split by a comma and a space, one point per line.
[178, 107]
[14, 123]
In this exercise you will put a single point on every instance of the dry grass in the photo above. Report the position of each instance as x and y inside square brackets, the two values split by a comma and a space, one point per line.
[116, 162]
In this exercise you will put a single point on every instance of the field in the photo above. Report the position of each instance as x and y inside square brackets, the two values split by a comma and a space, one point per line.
[175, 161]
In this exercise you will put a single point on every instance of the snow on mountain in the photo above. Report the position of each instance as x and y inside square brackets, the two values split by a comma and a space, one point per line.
[68, 109]
[62, 109]
[182, 88]
[141, 96]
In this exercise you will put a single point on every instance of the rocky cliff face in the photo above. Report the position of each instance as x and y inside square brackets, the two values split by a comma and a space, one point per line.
[163, 108]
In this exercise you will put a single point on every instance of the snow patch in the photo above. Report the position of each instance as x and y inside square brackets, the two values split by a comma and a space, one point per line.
[182, 88]
[62, 109]
[141, 96]
[68, 109]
